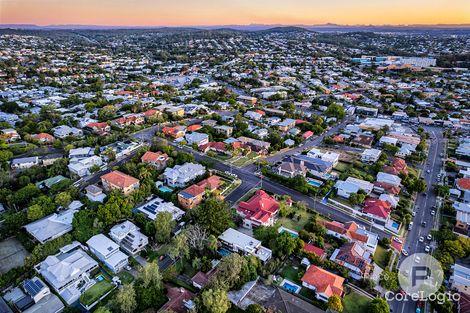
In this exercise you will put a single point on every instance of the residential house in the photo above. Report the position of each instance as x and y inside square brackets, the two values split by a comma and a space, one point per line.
[64, 131]
[377, 209]
[218, 147]
[460, 278]
[175, 131]
[381, 188]
[52, 226]
[157, 159]
[370, 155]
[196, 138]
[99, 128]
[43, 137]
[323, 283]
[260, 210]
[238, 242]
[180, 175]
[388, 179]
[355, 258]
[398, 167]
[193, 195]
[82, 167]
[10, 135]
[22, 163]
[327, 156]
[69, 271]
[286, 124]
[129, 237]
[255, 145]
[352, 185]
[80, 153]
[179, 300]
[291, 169]
[133, 119]
[95, 193]
[224, 130]
[364, 141]
[107, 251]
[158, 205]
[315, 166]
[353, 232]
[252, 115]
[118, 180]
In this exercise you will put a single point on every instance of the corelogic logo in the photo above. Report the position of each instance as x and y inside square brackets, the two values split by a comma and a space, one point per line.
[420, 276]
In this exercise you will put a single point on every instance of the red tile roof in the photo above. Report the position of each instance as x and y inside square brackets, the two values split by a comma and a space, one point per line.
[307, 134]
[464, 184]
[261, 207]
[324, 281]
[315, 250]
[389, 188]
[353, 253]
[43, 137]
[150, 156]
[176, 299]
[194, 127]
[120, 179]
[377, 207]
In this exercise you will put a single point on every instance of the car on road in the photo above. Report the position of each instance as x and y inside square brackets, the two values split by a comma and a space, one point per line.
[417, 259]
[428, 171]
[410, 226]
[433, 212]
[404, 252]
[429, 237]
[421, 239]
[397, 240]
[425, 194]
[413, 213]
[427, 249]
[423, 224]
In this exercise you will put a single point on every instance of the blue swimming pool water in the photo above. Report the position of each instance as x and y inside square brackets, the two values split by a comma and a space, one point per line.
[314, 183]
[165, 189]
[395, 225]
[99, 278]
[290, 287]
[224, 252]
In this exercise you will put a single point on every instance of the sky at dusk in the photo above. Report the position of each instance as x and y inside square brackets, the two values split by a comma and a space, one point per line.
[225, 12]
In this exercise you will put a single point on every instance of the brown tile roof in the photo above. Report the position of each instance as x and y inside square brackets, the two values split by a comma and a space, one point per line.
[119, 179]
[324, 281]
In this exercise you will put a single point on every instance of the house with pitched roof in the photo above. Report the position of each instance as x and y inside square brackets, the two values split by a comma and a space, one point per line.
[69, 271]
[193, 195]
[324, 283]
[378, 210]
[120, 181]
[352, 185]
[52, 226]
[157, 159]
[398, 167]
[355, 257]
[129, 237]
[180, 175]
[260, 210]
[43, 137]
[107, 251]
[352, 232]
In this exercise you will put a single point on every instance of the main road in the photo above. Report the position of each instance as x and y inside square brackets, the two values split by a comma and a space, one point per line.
[423, 206]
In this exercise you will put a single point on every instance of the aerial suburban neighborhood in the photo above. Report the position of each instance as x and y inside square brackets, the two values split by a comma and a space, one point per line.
[195, 170]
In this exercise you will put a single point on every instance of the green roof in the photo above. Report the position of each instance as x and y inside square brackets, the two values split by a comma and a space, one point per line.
[50, 181]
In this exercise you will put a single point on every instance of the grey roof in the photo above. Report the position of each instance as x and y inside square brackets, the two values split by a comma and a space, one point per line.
[48, 304]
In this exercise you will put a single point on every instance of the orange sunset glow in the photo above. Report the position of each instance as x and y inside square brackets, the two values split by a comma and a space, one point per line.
[224, 12]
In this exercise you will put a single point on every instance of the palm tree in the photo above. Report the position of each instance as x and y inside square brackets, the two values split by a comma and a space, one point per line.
[144, 173]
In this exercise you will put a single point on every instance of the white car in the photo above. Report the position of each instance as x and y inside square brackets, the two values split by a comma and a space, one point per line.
[413, 213]
[417, 259]
[397, 240]
[428, 171]
[429, 237]
[421, 239]
[404, 252]
[427, 249]
[433, 212]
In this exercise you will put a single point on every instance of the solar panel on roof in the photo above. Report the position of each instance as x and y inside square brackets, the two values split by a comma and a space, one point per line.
[39, 284]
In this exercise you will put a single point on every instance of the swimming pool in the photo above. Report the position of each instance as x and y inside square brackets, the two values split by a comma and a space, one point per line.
[315, 183]
[165, 189]
[290, 286]
[99, 278]
[224, 252]
[293, 234]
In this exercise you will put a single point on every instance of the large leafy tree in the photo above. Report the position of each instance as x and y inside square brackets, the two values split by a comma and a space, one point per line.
[378, 305]
[214, 215]
[335, 304]
[164, 225]
[179, 247]
[125, 299]
[215, 301]
[115, 209]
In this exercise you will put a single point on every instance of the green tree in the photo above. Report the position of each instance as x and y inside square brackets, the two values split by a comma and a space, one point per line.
[35, 212]
[214, 215]
[115, 209]
[389, 280]
[125, 299]
[63, 199]
[164, 225]
[212, 243]
[179, 247]
[255, 308]
[215, 301]
[335, 304]
[378, 305]
[151, 276]
[5, 155]
[85, 225]
[335, 110]
[102, 309]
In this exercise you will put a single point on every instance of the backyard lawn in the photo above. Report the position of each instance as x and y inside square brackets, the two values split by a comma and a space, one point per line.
[95, 292]
[292, 274]
[295, 225]
[355, 303]
[380, 257]
[341, 166]
[125, 277]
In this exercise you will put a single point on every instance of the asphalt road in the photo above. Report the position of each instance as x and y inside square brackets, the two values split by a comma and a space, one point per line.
[250, 180]
[423, 208]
